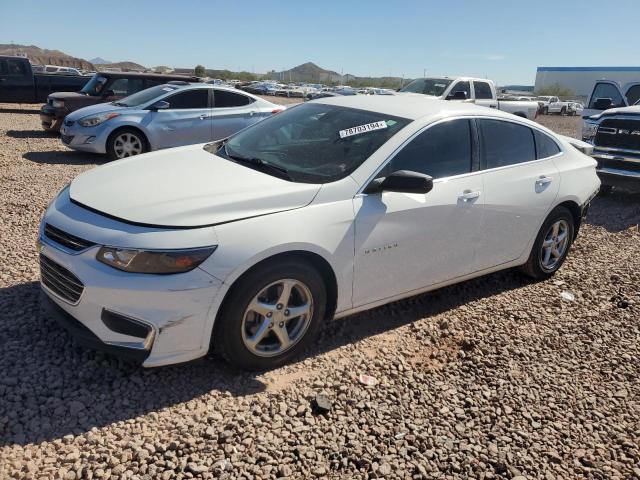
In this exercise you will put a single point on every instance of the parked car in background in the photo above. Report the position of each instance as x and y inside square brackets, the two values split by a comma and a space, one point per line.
[553, 104]
[20, 84]
[608, 94]
[480, 91]
[332, 92]
[248, 246]
[103, 87]
[574, 108]
[163, 116]
[615, 136]
[64, 70]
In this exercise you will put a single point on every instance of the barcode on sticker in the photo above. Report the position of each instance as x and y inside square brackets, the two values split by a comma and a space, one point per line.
[362, 129]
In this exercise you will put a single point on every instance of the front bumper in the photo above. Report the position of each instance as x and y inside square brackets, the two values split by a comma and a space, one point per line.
[84, 336]
[85, 139]
[617, 169]
[51, 117]
[152, 319]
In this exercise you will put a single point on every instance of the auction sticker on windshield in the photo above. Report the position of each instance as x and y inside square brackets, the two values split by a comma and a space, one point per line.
[362, 129]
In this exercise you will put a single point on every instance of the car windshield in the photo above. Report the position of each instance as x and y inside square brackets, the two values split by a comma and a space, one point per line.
[95, 85]
[428, 86]
[145, 96]
[312, 142]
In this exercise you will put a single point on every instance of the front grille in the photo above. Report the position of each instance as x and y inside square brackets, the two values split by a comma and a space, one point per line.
[66, 139]
[69, 123]
[60, 280]
[66, 239]
[619, 133]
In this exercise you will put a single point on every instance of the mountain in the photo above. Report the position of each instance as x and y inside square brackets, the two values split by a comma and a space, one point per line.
[42, 56]
[99, 61]
[124, 66]
[307, 72]
[311, 73]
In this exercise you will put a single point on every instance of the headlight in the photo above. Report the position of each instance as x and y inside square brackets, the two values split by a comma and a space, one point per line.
[589, 131]
[94, 120]
[154, 261]
[57, 103]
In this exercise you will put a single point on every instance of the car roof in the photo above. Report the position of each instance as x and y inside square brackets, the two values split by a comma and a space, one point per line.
[411, 106]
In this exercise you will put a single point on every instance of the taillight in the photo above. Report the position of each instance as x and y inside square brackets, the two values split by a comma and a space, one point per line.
[277, 110]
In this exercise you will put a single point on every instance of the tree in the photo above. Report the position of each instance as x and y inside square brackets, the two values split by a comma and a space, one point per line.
[199, 71]
[555, 90]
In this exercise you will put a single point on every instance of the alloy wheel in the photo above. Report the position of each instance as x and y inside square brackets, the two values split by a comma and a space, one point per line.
[277, 318]
[554, 245]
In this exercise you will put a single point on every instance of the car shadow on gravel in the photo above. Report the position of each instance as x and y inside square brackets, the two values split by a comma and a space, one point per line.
[616, 212]
[50, 387]
[31, 134]
[66, 157]
[29, 111]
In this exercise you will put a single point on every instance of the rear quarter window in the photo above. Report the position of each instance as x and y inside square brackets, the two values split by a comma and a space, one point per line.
[545, 145]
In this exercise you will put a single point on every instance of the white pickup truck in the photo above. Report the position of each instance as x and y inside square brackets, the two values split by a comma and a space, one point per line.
[608, 94]
[473, 90]
[555, 105]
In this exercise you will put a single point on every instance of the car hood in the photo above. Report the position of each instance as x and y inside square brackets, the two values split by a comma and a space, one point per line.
[185, 187]
[634, 110]
[93, 109]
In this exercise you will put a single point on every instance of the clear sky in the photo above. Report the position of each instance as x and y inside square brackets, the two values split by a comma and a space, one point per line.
[502, 40]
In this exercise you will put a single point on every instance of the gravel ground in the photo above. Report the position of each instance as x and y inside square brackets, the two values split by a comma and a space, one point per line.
[493, 378]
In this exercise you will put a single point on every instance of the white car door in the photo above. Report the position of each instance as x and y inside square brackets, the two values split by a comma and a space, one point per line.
[403, 241]
[554, 105]
[232, 112]
[519, 188]
[185, 122]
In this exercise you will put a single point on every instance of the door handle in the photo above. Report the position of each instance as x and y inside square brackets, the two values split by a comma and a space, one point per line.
[203, 116]
[542, 181]
[469, 195]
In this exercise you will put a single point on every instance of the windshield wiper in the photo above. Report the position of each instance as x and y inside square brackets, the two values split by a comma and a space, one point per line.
[259, 164]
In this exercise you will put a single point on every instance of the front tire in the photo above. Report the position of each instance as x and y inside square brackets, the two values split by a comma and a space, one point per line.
[551, 246]
[271, 315]
[126, 142]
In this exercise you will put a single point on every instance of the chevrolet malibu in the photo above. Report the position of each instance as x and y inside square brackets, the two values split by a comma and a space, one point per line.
[171, 115]
[247, 245]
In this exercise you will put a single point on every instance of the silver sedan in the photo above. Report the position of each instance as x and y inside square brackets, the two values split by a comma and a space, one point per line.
[171, 115]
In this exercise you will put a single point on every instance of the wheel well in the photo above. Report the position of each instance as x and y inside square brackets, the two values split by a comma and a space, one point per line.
[320, 264]
[127, 127]
[574, 208]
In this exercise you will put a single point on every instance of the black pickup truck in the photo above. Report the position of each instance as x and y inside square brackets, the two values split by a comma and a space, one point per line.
[19, 83]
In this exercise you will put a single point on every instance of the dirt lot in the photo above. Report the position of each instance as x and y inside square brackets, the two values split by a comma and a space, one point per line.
[494, 378]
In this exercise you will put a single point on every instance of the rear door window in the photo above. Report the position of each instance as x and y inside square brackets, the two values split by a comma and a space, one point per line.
[226, 99]
[483, 91]
[3, 67]
[443, 150]
[606, 90]
[505, 143]
[197, 98]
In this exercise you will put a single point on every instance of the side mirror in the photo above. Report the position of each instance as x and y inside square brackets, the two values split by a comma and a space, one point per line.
[403, 181]
[159, 105]
[109, 93]
[459, 95]
[603, 103]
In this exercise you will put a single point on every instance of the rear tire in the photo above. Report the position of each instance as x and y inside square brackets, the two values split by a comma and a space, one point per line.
[549, 251]
[126, 142]
[545, 110]
[256, 323]
[563, 111]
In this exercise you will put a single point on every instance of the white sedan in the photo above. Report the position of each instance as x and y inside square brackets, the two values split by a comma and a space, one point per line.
[335, 206]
